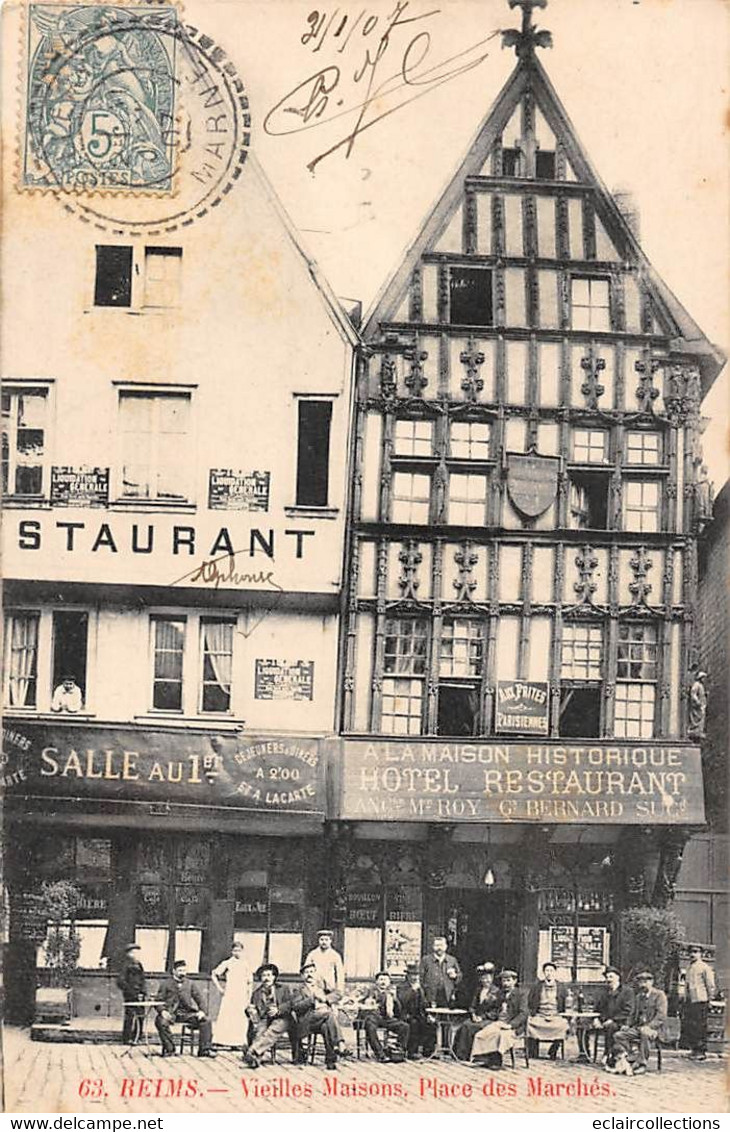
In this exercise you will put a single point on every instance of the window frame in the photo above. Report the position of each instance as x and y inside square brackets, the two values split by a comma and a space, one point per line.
[156, 619]
[645, 726]
[481, 458]
[161, 252]
[590, 671]
[155, 393]
[644, 434]
[192, 665]
[138, 298]
[642, 510]
[45, 658]
[590, 306]
[471, 270]
[413, 439]
[231, 622]
[589, 447]
[474, 636]
[399, 475]
[467, 503]
[314, 399]
[14, 391]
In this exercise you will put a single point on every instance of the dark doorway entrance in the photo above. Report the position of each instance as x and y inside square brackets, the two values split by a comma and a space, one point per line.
[483, 927]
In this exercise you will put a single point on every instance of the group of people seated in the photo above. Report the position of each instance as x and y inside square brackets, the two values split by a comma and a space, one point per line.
[399, 1021]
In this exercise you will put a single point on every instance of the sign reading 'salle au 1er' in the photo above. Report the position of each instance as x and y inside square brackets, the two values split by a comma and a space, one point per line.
[522, 707]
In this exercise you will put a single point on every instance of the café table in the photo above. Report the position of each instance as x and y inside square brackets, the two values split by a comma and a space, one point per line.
[142, 1023]
[446, 1019]
[581, 1024]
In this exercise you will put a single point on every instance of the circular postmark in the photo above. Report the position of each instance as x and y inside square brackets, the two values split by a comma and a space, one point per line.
[136, 121]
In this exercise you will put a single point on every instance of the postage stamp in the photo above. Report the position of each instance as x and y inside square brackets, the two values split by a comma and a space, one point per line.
[101, 91]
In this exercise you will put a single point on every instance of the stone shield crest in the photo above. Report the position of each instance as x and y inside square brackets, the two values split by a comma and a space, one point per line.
[532, 482]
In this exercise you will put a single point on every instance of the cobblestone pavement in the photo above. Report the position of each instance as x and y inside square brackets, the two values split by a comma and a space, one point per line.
[75, 1078]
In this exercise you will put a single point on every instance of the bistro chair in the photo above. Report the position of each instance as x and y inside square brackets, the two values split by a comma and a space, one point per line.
[187, 1034]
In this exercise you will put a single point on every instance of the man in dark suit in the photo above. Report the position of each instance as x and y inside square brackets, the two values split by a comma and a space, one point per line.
[421, 1032]
[645, 1025]
[381, 1009]
[272, 1015]
[515, 1011]
[440, 974]
[614, 1011]
[314, 1005]
[182, 1002]
[131, 983]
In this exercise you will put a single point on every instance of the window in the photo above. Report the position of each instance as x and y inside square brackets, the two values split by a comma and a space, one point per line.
[20, 663]
[580, 711]
[511, 161]
[406, 642]
[113, 276]
[582, 649]
[641, 505]
[154, 438]
[470, 290]
[636, 676]
[217, 662]
[162, 273]
[469, 440]
[467, 500]
[413, 438]
[588, 503]
[462, 648]
[70, 638]
[23, 439]
[402, 706]
[313, 453]
[411, 498]
[643, 448]
[405, 658]
[590, 304]
[545, 165]
[169, 647]
[458, 709]
[589, 445]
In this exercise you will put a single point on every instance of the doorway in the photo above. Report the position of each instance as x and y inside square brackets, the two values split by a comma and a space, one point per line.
[482, 926]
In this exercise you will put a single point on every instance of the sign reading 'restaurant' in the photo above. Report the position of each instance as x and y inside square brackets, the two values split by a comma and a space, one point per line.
[600, 782]
[243, 771]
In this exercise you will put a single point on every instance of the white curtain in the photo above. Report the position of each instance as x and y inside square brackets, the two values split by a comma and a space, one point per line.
[21, 664]
[217, 639]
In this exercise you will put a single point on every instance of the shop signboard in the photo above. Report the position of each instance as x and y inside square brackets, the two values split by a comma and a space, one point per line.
[230, 490]
[522, 707]
[270, 774]
[600, 782]
[592, 946]
[280, 680]
[79, 487]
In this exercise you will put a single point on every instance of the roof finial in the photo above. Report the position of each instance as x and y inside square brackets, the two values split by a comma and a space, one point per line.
[526, 40]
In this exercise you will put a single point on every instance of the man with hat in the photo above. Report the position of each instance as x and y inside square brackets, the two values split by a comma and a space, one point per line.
[131, 983]
[314, 1008]
[700, 990]
[513, 1009]
[645, 1025]
[614, 1011]
[181, 1001]
[271, 1012]
[440, 974]
[382, 1010]
[421, 1032]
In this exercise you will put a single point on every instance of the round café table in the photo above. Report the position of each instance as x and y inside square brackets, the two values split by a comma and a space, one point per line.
[446, 1019]
[581, 1025]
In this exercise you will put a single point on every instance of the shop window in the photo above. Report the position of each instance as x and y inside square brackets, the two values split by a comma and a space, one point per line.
[313, 453]
[641, 505]
[113, 276]
[70, 637]
[20, 664]
[467, 500]
[469, 440]
[511, 161]
[643, 448]
[462, 648]
[458, 709]
[411, 498]
[581, 652]
[268, 922]
[545, 165]
[580, 711]
[588, 505]
[24, 414]
[636, 675]
[362, 952]
[470, 290]
[590, 445]
[413, 438]
[162, 275]
[168, 647]
[154, 431]
[590, 304]
[217, 663]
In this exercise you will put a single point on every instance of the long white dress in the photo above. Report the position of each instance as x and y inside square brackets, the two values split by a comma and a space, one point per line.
[231, 1024]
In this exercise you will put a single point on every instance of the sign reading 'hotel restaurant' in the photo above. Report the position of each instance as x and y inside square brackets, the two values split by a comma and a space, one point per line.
[544, 781]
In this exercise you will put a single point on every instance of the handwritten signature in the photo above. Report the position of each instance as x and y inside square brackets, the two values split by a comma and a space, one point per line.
[211, 574]
[323, 97]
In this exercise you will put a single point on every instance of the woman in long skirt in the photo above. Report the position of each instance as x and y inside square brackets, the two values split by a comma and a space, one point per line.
[484, 1036]
[231, 1025]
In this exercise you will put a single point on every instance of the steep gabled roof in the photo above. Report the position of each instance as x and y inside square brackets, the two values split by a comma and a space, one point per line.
[686, 336]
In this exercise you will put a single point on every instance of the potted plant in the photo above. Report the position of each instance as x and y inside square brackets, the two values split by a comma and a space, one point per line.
[61, 900]
[649, 939]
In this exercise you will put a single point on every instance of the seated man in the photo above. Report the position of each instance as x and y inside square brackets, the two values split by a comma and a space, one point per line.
[614, 1011]
[545, 1004]
[421, 1032]
[182, 1002]
[272, 1016]
[381, 1008]
[645, 1025]
[314, 1008]
[513, 1007]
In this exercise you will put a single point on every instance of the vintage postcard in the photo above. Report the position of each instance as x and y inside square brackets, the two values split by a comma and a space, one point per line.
[365, 525]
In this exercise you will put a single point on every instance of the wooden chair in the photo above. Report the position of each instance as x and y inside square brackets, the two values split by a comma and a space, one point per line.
[669, 1040]
[560, 1042]
[187, 1034]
